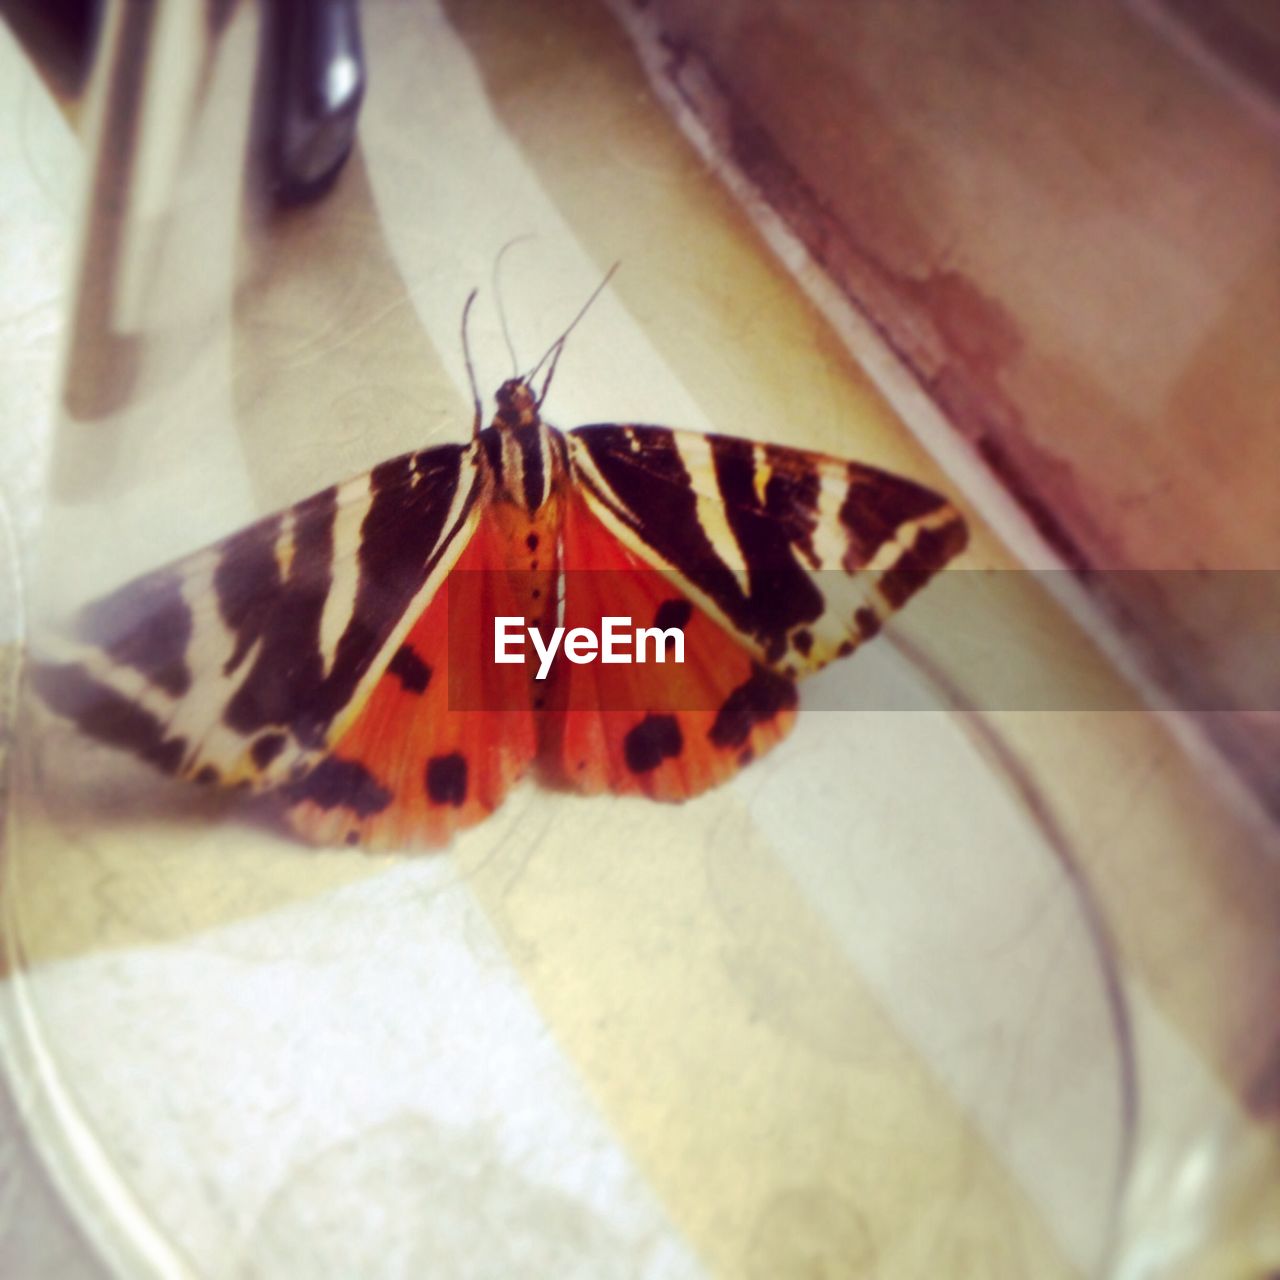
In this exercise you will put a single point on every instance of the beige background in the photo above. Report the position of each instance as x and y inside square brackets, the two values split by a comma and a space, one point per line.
[842, 1013]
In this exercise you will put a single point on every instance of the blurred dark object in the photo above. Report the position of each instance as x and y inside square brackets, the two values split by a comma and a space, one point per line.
[317, 99]
[317, 76]
[59, 37]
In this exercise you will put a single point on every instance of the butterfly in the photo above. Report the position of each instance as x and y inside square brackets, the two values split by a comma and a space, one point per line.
[339, 654]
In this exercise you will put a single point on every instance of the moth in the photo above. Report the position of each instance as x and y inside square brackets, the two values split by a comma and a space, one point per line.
[338, 654]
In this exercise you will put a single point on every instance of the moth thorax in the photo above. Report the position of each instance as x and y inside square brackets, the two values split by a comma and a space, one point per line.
[528, 464]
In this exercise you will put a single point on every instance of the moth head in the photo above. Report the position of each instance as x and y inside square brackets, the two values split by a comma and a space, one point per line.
[517, 404]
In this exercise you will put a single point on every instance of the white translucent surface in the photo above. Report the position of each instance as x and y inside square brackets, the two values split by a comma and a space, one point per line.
[846, 1011]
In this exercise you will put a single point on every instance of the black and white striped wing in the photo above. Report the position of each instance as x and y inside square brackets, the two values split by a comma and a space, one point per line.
[243, 662]
[801, 555]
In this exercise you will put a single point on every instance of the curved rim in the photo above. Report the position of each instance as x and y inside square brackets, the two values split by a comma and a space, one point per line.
[1030, 797]
[102, 1206]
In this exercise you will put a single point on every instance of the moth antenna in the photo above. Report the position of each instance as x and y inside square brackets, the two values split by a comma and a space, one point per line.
[553, 351]
[497, 297]
[558, 348]
[466, 354]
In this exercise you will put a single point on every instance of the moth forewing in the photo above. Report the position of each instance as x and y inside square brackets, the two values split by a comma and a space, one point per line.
[465, 514]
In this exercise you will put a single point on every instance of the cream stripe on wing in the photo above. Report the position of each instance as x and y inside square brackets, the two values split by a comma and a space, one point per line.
[695, 452]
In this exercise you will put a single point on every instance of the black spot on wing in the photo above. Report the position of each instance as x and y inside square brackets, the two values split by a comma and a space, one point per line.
[673, 613]
[759, 699]
[103, 714]
[145, 625]
[341, 784]
[410, 670]
[207, 776]
[868, 625]
[446, 779]
[655, 739]
[803, 641]
[266, 748]
[531, 541]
